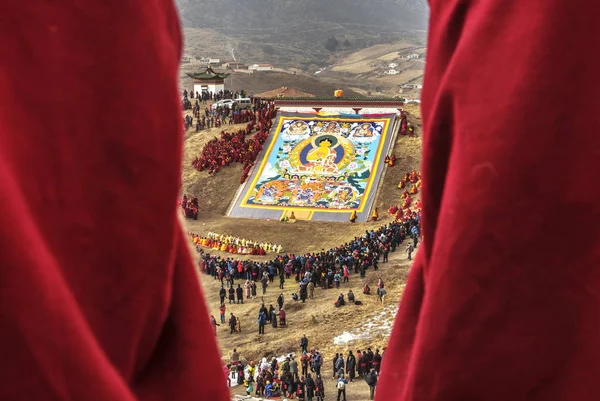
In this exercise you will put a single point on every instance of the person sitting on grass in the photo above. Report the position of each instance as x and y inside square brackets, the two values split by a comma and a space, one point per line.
[340, 301]
[367, 289]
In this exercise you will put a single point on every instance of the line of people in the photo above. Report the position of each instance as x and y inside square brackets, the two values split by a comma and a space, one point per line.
[234, 245]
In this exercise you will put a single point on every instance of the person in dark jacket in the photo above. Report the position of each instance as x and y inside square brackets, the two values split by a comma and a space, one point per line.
[232, 322]
[240, 294]
[371, 379]
[339, 366]
[335, 358]
[370, 356]
[231, 295]
[351, 296]
[363, 364]
[310, 388]
[222, 294]
[301, 388]
[262, 321]
[351, 366]
[304, 344]
[376, 361]
[291, 385]
[274, 319]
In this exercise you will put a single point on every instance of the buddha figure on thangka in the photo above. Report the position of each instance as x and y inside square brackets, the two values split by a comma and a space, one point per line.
[318, 164]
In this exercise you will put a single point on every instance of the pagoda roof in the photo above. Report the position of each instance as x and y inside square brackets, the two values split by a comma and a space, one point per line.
[284, 92]
[209, 73]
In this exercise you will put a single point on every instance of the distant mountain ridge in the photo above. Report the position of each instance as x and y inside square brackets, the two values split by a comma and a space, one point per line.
[274, 17]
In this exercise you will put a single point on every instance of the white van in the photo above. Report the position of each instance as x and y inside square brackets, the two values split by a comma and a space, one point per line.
[244, 102]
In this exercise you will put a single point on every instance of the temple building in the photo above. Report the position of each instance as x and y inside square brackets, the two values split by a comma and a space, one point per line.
[208, 81]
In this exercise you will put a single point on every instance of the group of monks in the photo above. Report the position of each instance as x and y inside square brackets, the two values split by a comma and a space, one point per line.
[406, 127]
[390, 160]
[411, 178]
[189, 207]
[235, 148]
[235, 245]
[403, 211]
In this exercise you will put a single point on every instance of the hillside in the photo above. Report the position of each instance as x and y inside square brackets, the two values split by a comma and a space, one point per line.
[328, 329]
[302, 17]
[293, 34]
[367, 71]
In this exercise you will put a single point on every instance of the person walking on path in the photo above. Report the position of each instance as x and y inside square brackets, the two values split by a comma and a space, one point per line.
[304, 343]
[341, 388]
[222, 309]
[262, 321]
[264, 282]
[232, 323]
[371, 379]
[214, 323]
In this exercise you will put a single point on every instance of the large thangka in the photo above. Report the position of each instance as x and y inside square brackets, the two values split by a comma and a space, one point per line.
[326, 164]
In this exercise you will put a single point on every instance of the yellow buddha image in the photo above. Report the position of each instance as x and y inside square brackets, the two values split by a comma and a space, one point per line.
[322, 152]
[322, 157]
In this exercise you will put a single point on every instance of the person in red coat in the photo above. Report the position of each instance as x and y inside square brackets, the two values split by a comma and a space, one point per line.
[497, 306]
[90, 309]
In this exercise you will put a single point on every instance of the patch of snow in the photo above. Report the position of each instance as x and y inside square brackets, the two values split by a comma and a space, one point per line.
[380, 324]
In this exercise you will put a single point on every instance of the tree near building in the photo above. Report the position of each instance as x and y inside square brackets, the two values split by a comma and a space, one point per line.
[331, 44]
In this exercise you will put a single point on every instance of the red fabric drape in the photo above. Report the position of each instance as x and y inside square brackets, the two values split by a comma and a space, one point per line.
[502, 302]
[99, 300]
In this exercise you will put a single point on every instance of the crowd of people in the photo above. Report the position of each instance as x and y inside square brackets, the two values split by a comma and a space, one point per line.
[326, 269]
[189, 207]
[208, 96]
[216, 116]
[235, 245]
[235, 147]
[302, 377]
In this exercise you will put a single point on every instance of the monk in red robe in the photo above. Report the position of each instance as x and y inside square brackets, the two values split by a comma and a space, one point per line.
[498, 308]
[90, 309]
